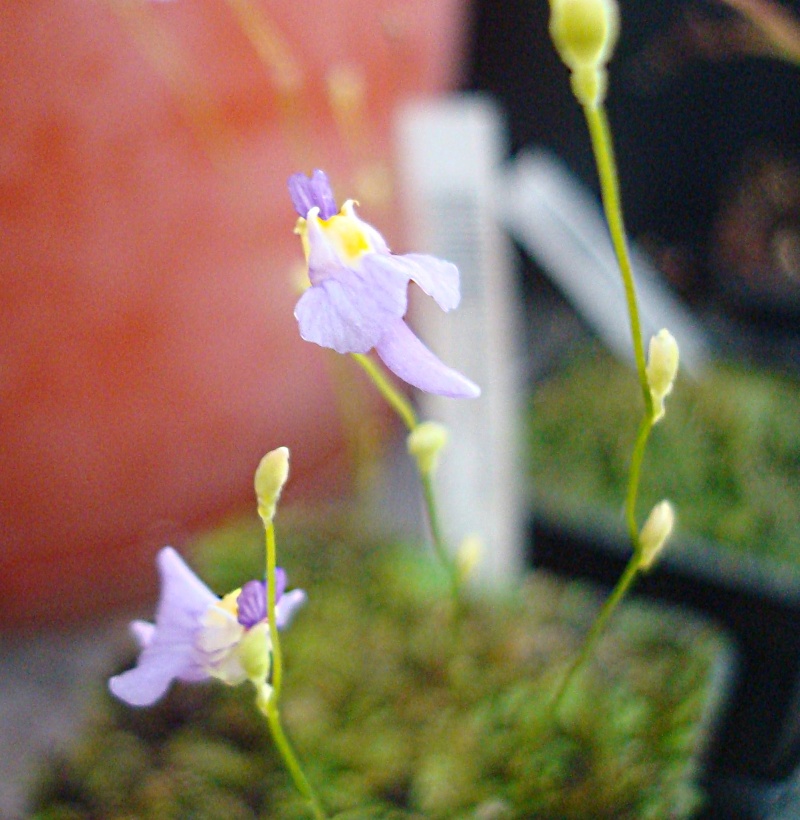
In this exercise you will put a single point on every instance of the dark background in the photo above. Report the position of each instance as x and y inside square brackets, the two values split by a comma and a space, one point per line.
[707, 137]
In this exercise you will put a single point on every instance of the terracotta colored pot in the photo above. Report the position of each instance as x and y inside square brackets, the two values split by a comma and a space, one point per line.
[149, 353]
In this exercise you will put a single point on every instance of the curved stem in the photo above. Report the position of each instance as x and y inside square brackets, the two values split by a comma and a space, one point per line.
[603, 148]
[402, 406]
[270, 708]
[634, 475]
[284, 747]
[439, 546]
[399, 403]
[618, 593]
[277, 655]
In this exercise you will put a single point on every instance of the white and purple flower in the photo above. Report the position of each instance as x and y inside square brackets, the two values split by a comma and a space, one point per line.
[359, 290]
[198, 636]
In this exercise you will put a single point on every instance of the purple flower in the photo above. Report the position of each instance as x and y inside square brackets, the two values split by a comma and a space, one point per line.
[359, 290]
[198, 636]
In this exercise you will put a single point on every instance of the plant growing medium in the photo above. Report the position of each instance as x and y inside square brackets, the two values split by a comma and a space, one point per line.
[727, 454]
[395, 721]
[401, 690]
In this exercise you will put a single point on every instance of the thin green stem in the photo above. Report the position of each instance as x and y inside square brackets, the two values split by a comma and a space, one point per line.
[634, 475]
[270, 710]
[399, 403]
[277, 655]
[439, 546]
[603, 148]
[612, 602]
[628, 576]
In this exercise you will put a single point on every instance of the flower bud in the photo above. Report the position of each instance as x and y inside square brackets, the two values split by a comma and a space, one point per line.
[584, 33]
[255, 653]
[263, 695]
[271, 475]
[468, 556]
[654, 533]
[425, 442]
[662, 368]
[589, 84]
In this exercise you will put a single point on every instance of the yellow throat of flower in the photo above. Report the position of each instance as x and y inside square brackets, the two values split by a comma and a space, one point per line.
[344, 232]
[229, 602]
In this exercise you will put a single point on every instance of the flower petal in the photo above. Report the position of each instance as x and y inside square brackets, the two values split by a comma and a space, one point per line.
[322, 259]
[170, 651]
[280, 582]
[147, 682]
[143, 632]
[217, 642]
[343, 242]
[439, 279]
[405, 355]
[252, 604]
[372, 237]
[252, 601]
[218, 634]
[347, 309]
[184, 597]
[287, 606]
[312, 192]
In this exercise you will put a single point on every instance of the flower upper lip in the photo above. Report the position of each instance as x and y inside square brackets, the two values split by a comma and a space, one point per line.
[312, 192]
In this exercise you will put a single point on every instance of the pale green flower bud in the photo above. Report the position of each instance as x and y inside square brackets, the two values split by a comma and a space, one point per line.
[655, 532]
[271, 475]
[468, 556]
[425, 442]
[589, 84]
[662, 368]
[255, 653]
[584, 33]
[263, 695]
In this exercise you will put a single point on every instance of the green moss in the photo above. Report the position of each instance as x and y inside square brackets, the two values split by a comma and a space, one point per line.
[392, 721]
[727, 453]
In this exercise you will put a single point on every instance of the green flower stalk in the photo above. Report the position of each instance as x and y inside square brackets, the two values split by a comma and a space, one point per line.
[271, 475]
[356, 303]
[585, 33]
[235, 639]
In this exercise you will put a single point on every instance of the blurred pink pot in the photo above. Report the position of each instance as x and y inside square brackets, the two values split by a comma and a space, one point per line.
[149, 353]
